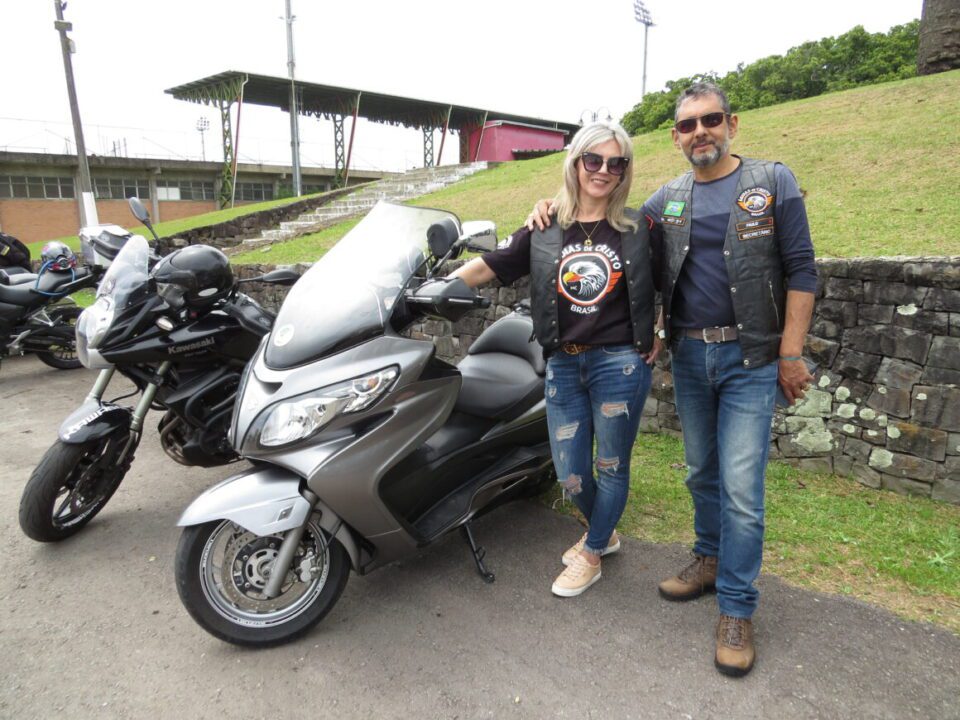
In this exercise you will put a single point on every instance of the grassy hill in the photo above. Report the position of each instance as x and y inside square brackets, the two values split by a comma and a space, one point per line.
[879, 166]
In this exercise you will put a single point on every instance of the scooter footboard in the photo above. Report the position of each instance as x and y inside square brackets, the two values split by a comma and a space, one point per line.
[265, 501]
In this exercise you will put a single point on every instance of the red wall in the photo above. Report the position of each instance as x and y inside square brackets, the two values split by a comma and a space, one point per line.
[499, 141]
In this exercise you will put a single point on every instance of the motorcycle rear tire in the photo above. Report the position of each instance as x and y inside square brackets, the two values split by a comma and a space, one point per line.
[64, 358]
[57, 476]
[192, 565]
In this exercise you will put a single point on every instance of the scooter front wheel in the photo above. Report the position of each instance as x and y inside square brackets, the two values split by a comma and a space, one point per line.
[223, 569]
[70, 485]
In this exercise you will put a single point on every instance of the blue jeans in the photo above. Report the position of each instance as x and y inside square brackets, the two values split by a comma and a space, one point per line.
[726, 411]
[597, 394]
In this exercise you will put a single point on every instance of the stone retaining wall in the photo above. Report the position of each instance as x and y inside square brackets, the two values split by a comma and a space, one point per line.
[233, 232]
[885, 408]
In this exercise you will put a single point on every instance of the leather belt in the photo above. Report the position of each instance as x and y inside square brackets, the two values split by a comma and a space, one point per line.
[712, 335]
[574, 348]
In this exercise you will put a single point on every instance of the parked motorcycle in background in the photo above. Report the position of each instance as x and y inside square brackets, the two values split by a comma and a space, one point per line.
[365, 445]
[37, 314]
[182, 333]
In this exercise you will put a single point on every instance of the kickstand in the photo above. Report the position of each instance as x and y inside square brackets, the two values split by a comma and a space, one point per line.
[477, 552]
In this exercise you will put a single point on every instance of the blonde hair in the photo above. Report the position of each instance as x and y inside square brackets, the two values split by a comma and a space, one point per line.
[567, 202]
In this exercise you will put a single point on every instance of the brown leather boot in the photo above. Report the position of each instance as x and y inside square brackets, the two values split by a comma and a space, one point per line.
[694, 580]
[735, 652]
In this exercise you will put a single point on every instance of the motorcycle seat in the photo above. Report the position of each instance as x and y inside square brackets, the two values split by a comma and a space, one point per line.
[17, 279]
[503, 371]
[49, 282]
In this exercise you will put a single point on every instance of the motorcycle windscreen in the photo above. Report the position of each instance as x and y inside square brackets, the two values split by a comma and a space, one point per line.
[348, 295]
[126, 281]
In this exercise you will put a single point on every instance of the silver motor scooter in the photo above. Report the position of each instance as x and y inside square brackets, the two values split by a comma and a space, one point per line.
[365, 446]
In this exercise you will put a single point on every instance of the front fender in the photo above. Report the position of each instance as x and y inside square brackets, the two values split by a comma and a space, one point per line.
[265, 501]
[93, 420]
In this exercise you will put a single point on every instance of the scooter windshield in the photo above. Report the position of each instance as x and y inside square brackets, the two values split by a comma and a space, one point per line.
[348, 295]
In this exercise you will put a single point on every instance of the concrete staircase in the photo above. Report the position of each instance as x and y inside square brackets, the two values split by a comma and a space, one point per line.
[396, 188]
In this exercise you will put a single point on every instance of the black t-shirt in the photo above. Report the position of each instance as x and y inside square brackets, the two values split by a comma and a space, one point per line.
[592, 301]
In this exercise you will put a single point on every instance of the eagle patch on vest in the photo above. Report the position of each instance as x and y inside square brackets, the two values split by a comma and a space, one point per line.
[755, 201]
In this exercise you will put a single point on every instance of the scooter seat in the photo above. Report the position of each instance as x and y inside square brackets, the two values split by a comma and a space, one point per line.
[497, 386]
[513, 335]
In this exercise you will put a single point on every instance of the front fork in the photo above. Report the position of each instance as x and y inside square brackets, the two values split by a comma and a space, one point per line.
[288, 550]
[140, 411]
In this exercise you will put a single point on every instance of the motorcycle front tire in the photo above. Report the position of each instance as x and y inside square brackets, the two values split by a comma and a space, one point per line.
[218, 606]
[63, 357]
[70, 485]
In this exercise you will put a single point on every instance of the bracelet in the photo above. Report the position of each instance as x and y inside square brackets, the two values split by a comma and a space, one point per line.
[790, 357]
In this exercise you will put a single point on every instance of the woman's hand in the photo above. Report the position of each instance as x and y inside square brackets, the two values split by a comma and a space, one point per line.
[540, 216]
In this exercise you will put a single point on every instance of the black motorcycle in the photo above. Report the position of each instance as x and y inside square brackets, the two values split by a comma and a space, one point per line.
[182, 333]
[38, 316]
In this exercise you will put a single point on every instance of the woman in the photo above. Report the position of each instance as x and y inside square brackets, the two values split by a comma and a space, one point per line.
[592, 299]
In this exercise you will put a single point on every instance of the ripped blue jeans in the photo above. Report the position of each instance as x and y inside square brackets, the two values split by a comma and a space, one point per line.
[597, 394]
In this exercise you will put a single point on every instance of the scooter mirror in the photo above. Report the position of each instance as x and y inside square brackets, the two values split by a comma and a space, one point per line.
[479, 235]
[138, 210]
[441, 236]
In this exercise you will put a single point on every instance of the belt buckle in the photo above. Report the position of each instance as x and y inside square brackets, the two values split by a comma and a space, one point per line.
[714, 335]
[574, 348]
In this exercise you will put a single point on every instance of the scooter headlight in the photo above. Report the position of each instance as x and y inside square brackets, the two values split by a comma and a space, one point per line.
[94, 322]
[296, 419]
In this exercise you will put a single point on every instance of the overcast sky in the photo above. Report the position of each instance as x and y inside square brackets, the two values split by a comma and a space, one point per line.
[545, 59]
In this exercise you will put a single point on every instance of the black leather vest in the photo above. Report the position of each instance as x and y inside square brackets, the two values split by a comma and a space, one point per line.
[751, 253]
[545, 249]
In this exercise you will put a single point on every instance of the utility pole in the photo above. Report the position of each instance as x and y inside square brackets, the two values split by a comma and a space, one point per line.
[88, 207]
[294, 110]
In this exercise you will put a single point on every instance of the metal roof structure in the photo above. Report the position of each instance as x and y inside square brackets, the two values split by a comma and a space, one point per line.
[335, 103]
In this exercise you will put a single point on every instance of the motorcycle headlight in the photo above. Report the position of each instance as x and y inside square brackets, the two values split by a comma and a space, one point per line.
[94, 322]
[298, 418]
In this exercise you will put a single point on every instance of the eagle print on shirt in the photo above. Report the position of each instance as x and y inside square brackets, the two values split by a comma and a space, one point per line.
[587, 275]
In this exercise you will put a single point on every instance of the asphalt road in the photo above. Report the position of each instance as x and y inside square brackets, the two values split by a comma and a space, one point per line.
[93, 627]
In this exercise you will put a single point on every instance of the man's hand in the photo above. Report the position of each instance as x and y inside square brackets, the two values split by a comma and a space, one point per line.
[650, 357]
[540, 217]
[794, 378]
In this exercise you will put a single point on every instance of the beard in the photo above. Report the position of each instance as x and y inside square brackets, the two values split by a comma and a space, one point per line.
[709, 158]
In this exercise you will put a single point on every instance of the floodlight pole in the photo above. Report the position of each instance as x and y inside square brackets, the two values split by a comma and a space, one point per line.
[642, 16]
[294, 110]
[88, 207]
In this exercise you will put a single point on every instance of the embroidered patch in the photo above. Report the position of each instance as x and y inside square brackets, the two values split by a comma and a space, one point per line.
[505, 243]
[673, 220]
[753, 224]
[674, 208]
[755, 200]
[753, 234]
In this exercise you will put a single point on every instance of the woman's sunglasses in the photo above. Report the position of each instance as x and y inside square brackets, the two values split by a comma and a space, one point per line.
[616, 165]
[710, 120]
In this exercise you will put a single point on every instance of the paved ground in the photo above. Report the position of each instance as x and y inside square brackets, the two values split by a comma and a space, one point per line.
[93, 627]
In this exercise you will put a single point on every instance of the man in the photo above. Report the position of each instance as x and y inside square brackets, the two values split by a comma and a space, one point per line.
[738, 289]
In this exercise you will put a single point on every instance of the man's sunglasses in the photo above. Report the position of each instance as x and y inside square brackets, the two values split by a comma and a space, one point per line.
[616, 165]
[710, 120]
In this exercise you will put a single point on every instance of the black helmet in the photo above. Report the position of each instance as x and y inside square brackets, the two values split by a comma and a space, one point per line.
[57, 257]
[195, 277]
